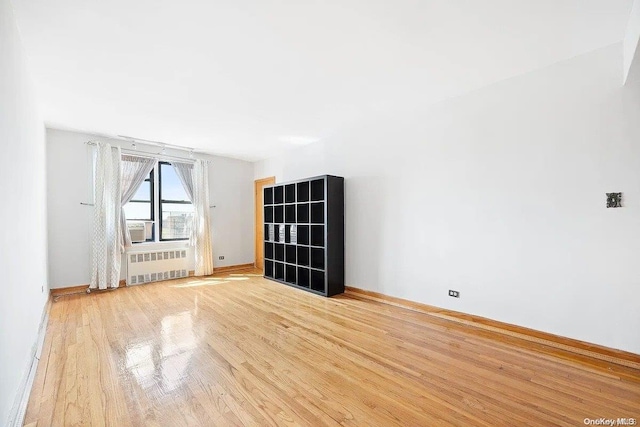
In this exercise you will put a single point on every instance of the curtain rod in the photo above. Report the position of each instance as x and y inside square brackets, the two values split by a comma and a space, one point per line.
[149, 155]
[133, 141]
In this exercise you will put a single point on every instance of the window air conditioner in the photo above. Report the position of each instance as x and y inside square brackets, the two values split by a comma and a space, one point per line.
[137, 230]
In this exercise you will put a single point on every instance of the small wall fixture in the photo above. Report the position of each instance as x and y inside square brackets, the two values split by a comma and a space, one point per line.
[614, 200]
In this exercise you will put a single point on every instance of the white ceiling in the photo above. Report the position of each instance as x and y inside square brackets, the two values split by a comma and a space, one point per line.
[244, 78]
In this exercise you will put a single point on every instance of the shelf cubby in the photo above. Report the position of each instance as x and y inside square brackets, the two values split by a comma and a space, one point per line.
[279, 271]
[278, 194]
[317, 258]
[303, 277]
[287, 233]
[317, 213]
[317, 235]
[278, 252]
[317, 189]
[268, 250]
[290, 193]
[290, 213]
[303, 191]
[268, 196]
[303, 256]
[290, 254]
[304, 234]
[303, 213]
[268, 268]
[268, 214]
[316, 281]
[290, 274]
[278, 214]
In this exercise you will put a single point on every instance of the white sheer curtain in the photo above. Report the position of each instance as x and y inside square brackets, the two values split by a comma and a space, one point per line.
[134, 170]
[185, 174]
[105, 248]
[195, 179]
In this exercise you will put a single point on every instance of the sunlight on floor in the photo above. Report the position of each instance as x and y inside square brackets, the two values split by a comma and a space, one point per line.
[203, 282]
[212, 281]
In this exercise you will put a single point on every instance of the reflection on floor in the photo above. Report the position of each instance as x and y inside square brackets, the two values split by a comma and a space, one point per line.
[236, 349]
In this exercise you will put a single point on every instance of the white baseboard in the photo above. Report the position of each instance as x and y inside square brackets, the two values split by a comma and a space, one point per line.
[19, 409]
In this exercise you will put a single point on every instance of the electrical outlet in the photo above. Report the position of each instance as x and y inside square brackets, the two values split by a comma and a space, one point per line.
[221, 257]
[454, 294]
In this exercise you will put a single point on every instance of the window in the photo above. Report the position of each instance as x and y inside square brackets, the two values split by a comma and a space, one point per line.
[162, 196]
[176, 211]
[141, 206]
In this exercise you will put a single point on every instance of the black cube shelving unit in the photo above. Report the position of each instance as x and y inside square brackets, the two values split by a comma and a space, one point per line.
[304, 234]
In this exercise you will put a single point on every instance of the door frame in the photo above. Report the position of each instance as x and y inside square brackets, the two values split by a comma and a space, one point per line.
[259, 184]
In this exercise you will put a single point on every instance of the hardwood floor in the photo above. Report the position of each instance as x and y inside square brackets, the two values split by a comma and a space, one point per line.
[237, 349]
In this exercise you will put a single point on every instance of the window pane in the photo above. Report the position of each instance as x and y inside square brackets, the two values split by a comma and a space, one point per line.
[144, 192]
[138, 210]
[176, 220]
[172, 188]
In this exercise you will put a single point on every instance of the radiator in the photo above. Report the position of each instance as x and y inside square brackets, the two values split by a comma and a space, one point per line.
[153, 266]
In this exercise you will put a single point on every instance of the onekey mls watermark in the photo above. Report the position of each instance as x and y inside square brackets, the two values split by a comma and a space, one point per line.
[610, 421]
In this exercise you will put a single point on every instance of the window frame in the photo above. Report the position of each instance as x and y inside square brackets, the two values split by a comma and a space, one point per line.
[149, 179]
[152, 206]
[161, 201]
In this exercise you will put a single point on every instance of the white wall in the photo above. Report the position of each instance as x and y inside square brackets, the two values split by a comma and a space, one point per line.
[231, 187]
[68, 171]
[23, 240]
[68, 178]
[631, 37]
[500, 194]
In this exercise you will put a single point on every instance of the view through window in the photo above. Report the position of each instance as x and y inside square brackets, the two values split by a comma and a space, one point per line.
[176, 210]
[162, 196]
[141, 206]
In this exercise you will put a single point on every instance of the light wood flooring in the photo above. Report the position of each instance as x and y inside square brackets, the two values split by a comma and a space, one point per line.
[237, 349]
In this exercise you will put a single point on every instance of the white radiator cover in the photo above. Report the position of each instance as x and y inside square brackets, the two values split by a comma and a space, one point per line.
[156, 265]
